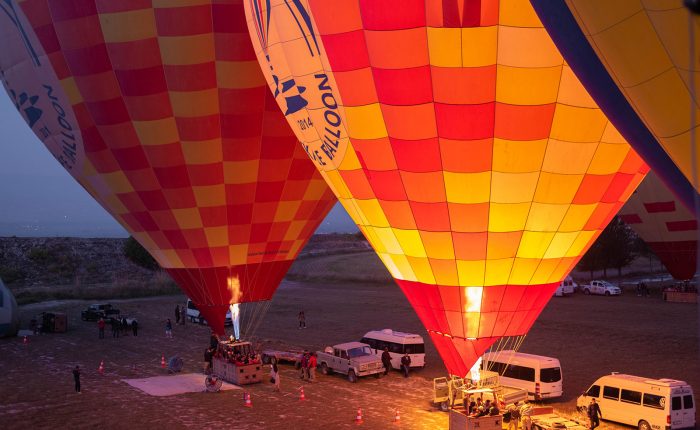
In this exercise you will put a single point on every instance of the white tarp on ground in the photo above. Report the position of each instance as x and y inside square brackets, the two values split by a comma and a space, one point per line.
[9, 313]
[174, 384]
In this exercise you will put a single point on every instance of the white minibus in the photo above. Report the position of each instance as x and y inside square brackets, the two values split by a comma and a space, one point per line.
[398, 343]
[648, 404]
[541, 376]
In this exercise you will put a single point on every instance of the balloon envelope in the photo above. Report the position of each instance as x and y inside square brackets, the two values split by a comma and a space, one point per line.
[669, 229]
[640, 62]
[161, 112]
[460, 143]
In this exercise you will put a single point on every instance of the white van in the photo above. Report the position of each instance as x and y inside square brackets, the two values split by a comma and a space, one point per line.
[566, 288]
[648, 404]
[398, 344]
[195, 317]
[541, 376]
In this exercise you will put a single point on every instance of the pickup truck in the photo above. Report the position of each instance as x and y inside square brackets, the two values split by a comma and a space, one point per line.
[97, 311]
[602, 288]
[354, 359]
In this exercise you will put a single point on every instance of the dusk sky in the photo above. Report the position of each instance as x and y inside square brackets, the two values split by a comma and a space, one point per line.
[39, 198]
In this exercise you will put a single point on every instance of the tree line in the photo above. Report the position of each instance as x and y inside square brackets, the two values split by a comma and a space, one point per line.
[616, 248]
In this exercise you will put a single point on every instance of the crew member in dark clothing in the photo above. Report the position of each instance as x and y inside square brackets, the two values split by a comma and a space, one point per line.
[213, 341]
[76, 378]
[208, 354]
[386, 360]
[135, 327]
[177, 314]
[115, 327]
[125, 327]
[594, 413]
[405, 364]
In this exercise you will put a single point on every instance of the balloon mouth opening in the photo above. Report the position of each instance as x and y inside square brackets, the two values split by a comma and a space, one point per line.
[447, 335]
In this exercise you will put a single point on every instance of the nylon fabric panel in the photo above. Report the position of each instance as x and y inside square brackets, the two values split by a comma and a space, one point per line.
[485, 157]
[169, 126]
[640, 61]
[669, 229]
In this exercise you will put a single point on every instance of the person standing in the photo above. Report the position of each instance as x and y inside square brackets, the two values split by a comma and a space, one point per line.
[593, 414]
[526, 415]
[302, 319]
[177, 314]
[275, 374]
[135, 327]
[183, 315]
[312, 367]
[125, 327]
[305, 365]
[405, 364]
[114, 323]
[168, 328]
[514, 416]
[101, 327]
[76, 378]
[386, 360]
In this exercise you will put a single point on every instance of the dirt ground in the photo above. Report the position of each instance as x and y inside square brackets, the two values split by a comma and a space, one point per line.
[590, 335]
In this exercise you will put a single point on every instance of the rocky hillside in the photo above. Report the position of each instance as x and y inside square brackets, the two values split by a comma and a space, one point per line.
[60, 261]
[35, 262]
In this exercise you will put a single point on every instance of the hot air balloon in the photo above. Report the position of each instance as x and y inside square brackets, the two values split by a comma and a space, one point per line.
[639, 61]
[460, 143]
[160, 111]
[669, 229]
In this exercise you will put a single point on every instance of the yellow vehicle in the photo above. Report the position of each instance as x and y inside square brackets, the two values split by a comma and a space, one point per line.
[447, 392]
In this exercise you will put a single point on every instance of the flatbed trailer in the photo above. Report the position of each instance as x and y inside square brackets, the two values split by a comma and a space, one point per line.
[544, 418]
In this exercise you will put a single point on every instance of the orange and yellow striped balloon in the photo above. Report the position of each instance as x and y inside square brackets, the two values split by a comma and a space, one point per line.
[159, 109]
[640, 62]
[461, 144]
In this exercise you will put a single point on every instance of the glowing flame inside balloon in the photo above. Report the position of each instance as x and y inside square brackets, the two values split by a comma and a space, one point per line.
[234, 287]
[472, 311]
[236, 319]
[475, 371]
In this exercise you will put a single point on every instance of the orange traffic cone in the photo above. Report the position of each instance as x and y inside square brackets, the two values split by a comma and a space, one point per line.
[248, 402]
[358, 418]
[101, 369]
[397, 417]
[301, 394]
[162, 361]
[25, 340]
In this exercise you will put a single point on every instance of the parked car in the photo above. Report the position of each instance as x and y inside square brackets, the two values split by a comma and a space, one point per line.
[97, 311]
[603, 288]
[194, 316]
[566, 288]
[354, 359]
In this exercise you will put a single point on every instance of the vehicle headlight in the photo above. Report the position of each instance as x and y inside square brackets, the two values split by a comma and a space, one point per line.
[363, 367]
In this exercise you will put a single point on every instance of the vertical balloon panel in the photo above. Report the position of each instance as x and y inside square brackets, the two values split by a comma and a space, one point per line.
[182, 142]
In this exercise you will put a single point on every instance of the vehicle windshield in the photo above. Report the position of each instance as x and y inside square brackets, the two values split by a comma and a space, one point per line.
[552, 374]
[607, 285]
[359, 352]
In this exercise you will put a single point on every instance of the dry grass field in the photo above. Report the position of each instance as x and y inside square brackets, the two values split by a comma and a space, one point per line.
[590, 335]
